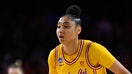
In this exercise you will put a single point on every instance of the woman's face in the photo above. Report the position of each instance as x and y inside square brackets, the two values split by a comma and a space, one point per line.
[67, 30]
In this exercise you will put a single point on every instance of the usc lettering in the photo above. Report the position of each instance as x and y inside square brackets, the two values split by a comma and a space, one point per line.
[80, 71]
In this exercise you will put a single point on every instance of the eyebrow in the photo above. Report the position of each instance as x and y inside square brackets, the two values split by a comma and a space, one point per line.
[64, 22]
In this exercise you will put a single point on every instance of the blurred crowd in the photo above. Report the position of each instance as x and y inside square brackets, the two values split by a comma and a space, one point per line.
[30, 39]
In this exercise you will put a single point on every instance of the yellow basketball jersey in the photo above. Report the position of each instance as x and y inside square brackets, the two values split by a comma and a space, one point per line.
[91, 58]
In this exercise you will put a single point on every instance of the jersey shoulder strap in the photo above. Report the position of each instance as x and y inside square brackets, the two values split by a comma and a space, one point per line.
[56, 55]
[87, 57]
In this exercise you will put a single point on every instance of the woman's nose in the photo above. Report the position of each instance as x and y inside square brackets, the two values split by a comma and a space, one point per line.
[61, 30]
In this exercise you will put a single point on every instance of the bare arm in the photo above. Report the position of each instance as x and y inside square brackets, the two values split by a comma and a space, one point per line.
[118, 68]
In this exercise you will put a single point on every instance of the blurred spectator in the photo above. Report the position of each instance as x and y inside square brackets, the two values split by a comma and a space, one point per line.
[16, 68]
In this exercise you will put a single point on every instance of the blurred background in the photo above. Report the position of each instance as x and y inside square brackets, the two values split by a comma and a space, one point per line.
[28, 30]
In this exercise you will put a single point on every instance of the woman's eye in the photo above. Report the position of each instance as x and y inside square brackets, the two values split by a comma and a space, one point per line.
[58, 26]
[66, 26]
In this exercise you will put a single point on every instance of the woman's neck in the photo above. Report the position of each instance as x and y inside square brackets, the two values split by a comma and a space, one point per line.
[71, 47]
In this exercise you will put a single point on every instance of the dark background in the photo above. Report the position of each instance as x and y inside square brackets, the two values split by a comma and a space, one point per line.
[28, 30]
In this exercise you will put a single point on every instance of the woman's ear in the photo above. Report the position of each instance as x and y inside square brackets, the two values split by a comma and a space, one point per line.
[79, 29]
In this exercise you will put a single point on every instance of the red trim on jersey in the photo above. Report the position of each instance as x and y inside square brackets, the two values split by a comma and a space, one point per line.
[87, 59]
[78, 55]
[94, 70]
[56, 56]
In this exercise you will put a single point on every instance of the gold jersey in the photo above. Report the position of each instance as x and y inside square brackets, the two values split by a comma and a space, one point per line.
[91, 58]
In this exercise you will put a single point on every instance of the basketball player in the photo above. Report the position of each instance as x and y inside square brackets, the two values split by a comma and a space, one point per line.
[79, 56]
[15, 68]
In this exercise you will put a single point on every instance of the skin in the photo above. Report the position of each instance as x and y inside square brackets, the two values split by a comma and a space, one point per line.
[67, 33]
[118, 68]
[14, 71]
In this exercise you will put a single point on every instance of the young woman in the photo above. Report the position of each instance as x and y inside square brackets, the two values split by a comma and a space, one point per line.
[79, 56]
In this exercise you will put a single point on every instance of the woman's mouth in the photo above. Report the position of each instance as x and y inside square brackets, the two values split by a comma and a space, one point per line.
[61, 37]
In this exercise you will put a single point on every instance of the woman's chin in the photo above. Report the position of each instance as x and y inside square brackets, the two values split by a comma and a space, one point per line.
[61, 41]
